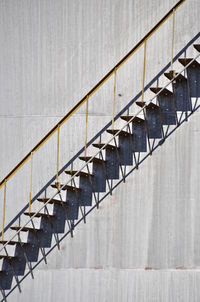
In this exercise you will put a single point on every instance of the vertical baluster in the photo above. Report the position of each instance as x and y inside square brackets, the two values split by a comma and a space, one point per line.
[144, 69]
[86, 125]
[31, 176]
[114, 96]
[4, 210]
[58, 150]
[172, 45]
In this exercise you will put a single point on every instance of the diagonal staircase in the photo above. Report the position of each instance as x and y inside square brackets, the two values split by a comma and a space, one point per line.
[126, 149]
[136, 137]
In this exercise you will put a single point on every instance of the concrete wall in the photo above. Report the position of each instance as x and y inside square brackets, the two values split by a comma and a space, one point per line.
[51, 54]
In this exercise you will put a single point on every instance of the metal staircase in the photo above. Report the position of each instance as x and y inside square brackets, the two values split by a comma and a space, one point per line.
[127, 148]
[129, 145]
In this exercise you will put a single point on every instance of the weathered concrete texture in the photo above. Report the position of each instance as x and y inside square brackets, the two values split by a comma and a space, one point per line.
[151, 221]
[103, 285]
[52, 53]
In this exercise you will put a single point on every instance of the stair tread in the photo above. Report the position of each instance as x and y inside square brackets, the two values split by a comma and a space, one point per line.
[114, 131]
[171, 74]
[80, 173]
[197, 47]
[186, 61]
[136, 120]
[52, 201]
[38, 214]
[149, 106]
[165, 91]
[140, 104]
[12, 242]
[7, 257]
[65, 187]
[111, 147]
[152, 106]
[95, 159]
[25, 229]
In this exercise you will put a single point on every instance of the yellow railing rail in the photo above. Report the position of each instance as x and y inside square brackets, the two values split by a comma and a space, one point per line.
[86, 98]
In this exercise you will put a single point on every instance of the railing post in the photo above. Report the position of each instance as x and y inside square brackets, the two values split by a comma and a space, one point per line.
[58, 149]
[114, 95]
[144, 69]
[4, 210]
[94, 89]
[172, 45]
[86, 124]
[31, 177]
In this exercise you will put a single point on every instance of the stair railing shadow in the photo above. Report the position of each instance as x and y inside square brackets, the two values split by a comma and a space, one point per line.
[98, 135]
[154, 147]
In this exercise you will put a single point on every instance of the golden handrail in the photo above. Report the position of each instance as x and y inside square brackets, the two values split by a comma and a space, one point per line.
[91, 92]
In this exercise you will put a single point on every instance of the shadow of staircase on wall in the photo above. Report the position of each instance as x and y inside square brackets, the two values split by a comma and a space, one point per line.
[128, 147]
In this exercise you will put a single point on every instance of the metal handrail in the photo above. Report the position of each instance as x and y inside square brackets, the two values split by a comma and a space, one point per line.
[90, 160]
[90, 93]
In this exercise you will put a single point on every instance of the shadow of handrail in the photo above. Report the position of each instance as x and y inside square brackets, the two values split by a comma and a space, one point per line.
[102, 130]
[159, 143]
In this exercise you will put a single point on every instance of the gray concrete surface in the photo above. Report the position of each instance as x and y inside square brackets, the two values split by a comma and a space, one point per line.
[51, 54]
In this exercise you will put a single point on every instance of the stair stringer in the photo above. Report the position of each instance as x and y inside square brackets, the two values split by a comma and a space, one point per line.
[118, 241]
[153, 148]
